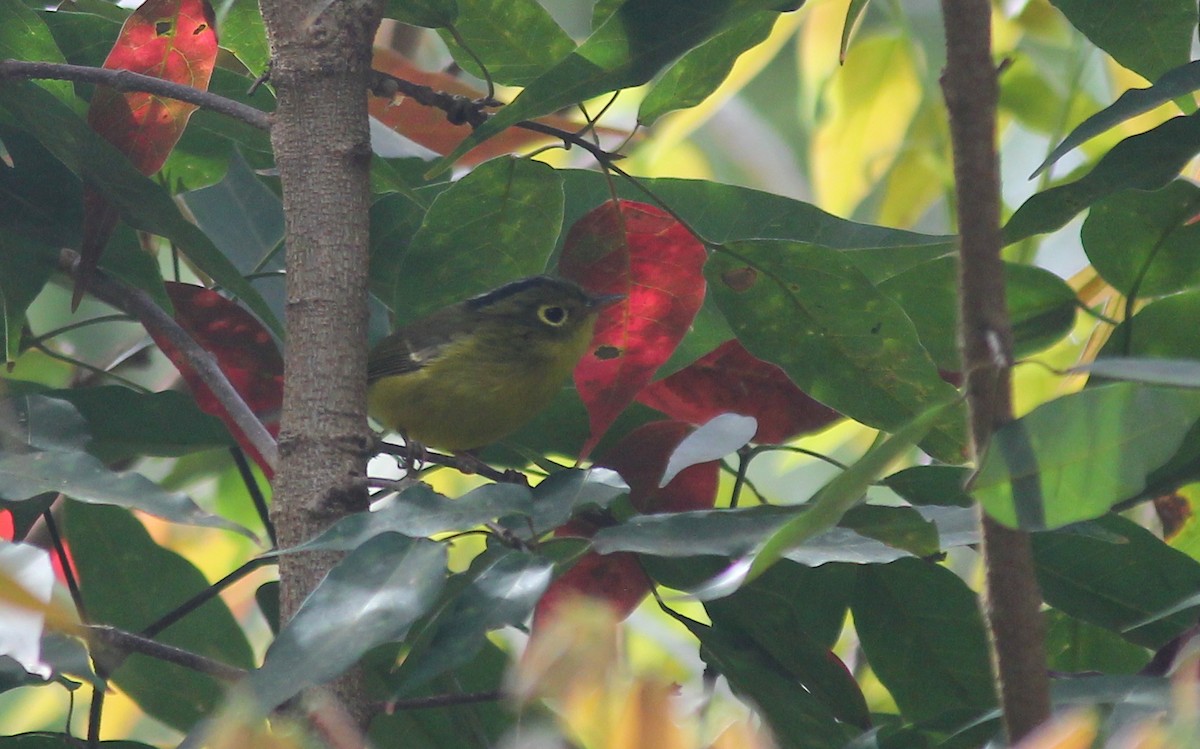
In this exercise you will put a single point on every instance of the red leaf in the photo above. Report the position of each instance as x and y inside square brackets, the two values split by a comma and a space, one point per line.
[170, 39]
[641, 457]
[6, 526]
[637, 250]
[617, 579]
[730, 379]
[245, 352]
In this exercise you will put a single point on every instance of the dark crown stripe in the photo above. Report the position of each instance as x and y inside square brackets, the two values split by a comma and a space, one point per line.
[516, 287]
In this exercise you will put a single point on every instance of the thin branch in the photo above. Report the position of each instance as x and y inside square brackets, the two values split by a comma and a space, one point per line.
[139, 304]
[463, 111]
[126, 642]
[462, 462]
[126, 80]
[255, 491]
[204, 596]
[1012, 599]
[441, 700]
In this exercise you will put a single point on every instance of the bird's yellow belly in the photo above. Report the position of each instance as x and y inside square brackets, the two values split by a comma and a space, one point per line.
[469, 407]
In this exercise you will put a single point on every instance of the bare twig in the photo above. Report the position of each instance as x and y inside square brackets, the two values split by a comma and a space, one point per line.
[126, 80]
[126, 642]
[1012, 599]
[139, 304]
[463, 463]
[463, 111]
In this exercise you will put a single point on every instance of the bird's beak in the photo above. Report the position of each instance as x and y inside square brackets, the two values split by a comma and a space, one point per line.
[600, 301]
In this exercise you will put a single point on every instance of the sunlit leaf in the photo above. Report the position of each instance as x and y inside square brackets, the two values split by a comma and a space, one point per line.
[1075, 457]
[170, 39]
[517, 40]
[641, 458]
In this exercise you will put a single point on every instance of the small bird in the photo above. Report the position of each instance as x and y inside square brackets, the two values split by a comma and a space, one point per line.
[469, 374]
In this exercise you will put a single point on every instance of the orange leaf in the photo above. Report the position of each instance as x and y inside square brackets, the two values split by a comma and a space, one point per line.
[637, 250]
[245, 352]
[170, 39]
[730, 379]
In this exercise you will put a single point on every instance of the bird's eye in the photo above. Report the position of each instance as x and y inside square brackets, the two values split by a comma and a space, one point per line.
[552, 314]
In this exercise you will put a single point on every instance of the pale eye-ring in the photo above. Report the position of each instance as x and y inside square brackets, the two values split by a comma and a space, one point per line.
[552, 314]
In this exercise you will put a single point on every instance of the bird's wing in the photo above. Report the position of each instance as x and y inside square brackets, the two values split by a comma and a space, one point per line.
[409, 349]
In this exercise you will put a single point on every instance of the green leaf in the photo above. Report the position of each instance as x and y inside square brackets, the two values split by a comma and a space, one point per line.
[143, 203]
[24, 36]
[932, 485]
[40, 199]
[1077, 646]
[854, 11]
[1118, 586]
[25, 267]
[500, 589]
[517, 40]
[82, 477]
[922, 632]
[85, 30]
[242, 33]
[699, 72]
[807, 309]
[626, 50]
[420, 511]
[114, 556]
[1148, 37]
[463, 726]
[1147, 161]
[371, 597]
[1172, 85]
[563, 494]
[497, 224]
[1143, 242]
[123, 423]
[1041, 307]
[798, 718]
[431, 14]
[1075, 457]
[844, 491]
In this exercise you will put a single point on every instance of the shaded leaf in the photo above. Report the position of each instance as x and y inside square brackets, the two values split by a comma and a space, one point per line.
[244, 350]
[1173, 84]
[144, 204]
[1075, 457]
[617, 579]
[845, 344]
[517, 40]
[1117, 585]
[699, 72]
[431, 14]
[24, 36]
[495, 225]
[641, 457]
[1146, 37]
[641, 252]
[80, 476]
[626, 50]
[922, 632]
[499, 590]
[1147, 161]
[932, 485]
[730, 379]
[564, 493]
[112, 553]
[372, 596]
[1143, 243]
[419, 511]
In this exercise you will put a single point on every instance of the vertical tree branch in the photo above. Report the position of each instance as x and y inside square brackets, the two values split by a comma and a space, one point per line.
[1012, 599]
[320, 58]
